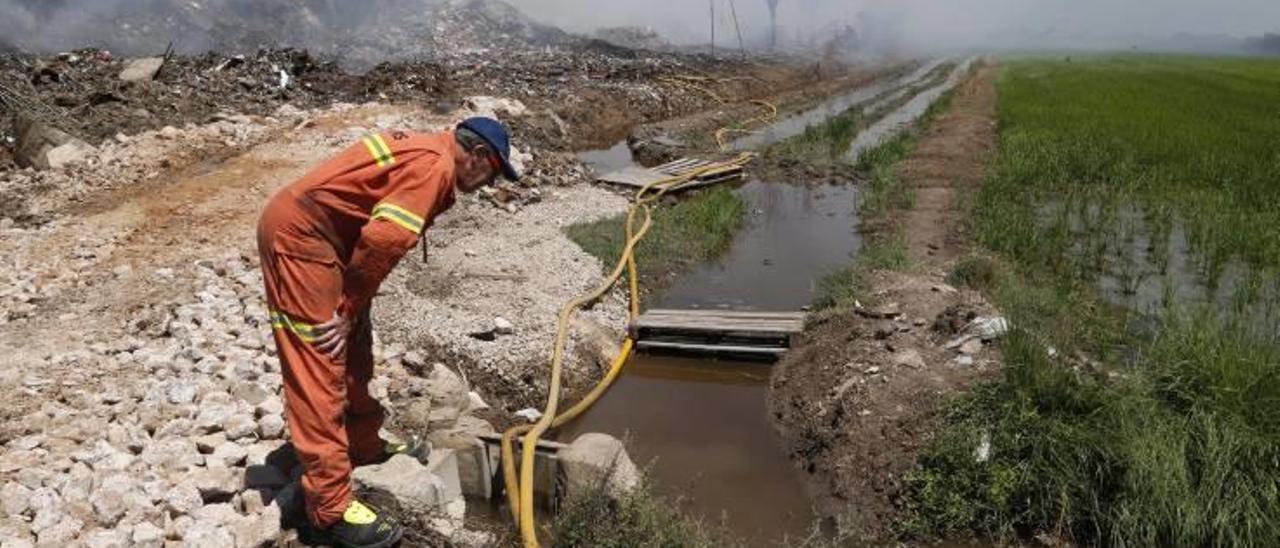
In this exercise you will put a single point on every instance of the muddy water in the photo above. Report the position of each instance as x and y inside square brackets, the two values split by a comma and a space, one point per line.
[701, 431]
[1149, 269]
[795, 125]
[606, 159]
[896, 121]
[700, 426]
[794, 235]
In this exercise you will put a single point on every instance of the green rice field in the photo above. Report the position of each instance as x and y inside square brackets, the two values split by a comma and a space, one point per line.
[1131, 232]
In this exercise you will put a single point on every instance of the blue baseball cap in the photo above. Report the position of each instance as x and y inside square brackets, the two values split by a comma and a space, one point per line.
[495, 134]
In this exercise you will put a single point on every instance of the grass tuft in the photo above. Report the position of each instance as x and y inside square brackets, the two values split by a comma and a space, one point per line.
[639, 519]
[684, 233]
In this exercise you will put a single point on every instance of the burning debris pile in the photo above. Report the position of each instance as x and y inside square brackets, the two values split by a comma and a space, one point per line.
[633, 37]
[417, 51]
[93, 95]
[357, 35]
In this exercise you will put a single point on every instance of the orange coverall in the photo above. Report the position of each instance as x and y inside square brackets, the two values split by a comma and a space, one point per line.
[327, 242]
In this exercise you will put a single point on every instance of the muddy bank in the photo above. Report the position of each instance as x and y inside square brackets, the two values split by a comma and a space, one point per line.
[856, 399]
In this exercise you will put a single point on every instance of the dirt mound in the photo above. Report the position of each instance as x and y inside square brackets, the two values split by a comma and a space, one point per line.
[858, 397]
[855, 401]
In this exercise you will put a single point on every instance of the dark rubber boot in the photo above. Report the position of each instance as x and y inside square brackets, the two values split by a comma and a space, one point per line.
[360, 527]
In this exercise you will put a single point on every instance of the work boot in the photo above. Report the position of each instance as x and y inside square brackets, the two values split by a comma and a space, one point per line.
[360, 527]
[416, 447]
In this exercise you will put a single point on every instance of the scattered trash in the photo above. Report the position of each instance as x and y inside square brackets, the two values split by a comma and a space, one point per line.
[502, 326]
[982, 328]
[285, 78]
[231, 62]
[530, 414]
[144, 69]
[989, 327]
[971, 346]
[495, 106]
[982, 453]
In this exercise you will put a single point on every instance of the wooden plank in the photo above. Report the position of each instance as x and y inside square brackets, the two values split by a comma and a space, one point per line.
[709, 171]
[725, 313]
[713, 322]
[683, 164]
[659, 320]
[792, 325]
[703, 329]
[686, 170]
[712, 348]
[636, 176]
[756, 332]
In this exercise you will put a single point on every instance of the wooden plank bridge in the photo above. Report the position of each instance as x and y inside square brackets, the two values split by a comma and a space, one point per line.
[756, 333]
[639, 177]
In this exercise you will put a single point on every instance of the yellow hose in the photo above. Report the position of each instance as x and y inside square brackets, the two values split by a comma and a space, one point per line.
[770, 116]
[519, 484]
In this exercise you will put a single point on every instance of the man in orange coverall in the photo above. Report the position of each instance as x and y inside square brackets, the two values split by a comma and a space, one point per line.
[327, 242]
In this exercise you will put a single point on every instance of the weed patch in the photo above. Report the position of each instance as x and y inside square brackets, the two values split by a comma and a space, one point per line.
[638, 519]
[683, 234]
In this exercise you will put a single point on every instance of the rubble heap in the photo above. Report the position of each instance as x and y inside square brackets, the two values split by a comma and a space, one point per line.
[359, 36]
[84, 91]
[424, 52]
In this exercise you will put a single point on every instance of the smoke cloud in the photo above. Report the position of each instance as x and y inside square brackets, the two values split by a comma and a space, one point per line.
[934, 25]
[895, 26]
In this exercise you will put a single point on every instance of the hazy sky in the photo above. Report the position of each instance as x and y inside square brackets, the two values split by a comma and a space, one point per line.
[933, 23]
[909, 26]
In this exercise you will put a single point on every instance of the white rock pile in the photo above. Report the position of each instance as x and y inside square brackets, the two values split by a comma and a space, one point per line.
[192, 450]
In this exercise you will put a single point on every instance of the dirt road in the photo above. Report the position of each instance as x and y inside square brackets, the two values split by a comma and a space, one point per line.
[855, 401]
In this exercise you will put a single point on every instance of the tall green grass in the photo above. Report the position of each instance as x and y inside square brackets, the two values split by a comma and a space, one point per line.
[1114, 426]
[1186, 140]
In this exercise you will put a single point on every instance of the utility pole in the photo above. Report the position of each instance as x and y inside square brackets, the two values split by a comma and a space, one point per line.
[773, 21]
[712, 3]
[741, 48]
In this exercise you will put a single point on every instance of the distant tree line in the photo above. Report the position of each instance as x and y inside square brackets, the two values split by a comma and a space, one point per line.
[1268, 43]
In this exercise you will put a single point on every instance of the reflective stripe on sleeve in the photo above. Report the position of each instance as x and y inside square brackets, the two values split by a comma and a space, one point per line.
[398, 215]
[379, 149]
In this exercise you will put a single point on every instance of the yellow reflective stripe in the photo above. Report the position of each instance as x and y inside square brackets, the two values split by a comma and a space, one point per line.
[306, 332]
[398, 215]
[379, 149]
[359, 514]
